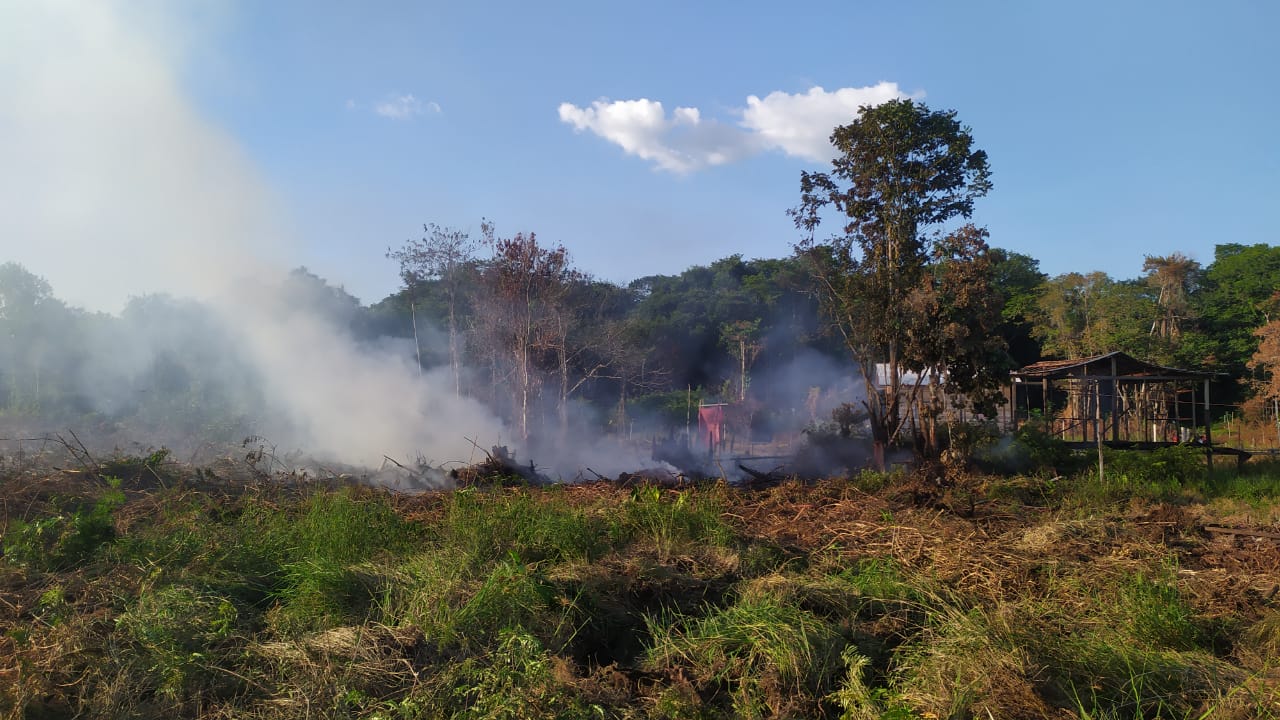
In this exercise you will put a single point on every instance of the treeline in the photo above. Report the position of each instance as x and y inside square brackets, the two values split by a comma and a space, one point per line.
[511, 321]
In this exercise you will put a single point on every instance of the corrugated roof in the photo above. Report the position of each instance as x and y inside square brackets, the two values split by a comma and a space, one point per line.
[1126, 366]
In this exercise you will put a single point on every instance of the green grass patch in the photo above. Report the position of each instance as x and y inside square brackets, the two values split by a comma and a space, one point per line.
[66, 537]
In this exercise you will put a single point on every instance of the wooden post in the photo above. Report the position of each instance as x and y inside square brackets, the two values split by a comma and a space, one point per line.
[1044, 404]
[1193, 413]
[1208, 426]
[1097, 392]
[1012, 424]
[1115, 401]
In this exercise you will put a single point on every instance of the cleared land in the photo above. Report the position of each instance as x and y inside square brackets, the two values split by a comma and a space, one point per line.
[143, 588]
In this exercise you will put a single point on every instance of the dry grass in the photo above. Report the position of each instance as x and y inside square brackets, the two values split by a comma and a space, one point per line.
[226, 594]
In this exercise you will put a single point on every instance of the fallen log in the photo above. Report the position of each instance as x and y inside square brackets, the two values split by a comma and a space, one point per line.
[1219, 530]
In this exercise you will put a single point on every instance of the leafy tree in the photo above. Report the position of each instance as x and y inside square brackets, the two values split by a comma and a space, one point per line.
[1066, 304]
[1018, 279]
[304, 289]
[1083, 315]
[1233, 301]
[1121, 320]
[901, 171]
[958, 308]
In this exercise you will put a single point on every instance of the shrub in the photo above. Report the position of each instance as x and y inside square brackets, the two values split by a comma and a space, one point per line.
[1044, 451]
[66, 539]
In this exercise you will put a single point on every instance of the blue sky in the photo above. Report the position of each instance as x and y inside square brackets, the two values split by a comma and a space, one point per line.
[1114, 130]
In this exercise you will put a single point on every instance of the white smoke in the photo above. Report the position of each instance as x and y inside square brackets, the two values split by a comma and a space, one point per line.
[116, 185]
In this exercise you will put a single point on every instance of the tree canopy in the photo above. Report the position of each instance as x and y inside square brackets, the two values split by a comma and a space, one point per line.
[899, 287]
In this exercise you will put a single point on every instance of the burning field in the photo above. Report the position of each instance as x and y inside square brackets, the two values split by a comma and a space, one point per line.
[136, 586]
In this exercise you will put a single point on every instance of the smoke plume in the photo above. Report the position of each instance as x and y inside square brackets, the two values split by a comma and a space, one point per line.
[118, 185]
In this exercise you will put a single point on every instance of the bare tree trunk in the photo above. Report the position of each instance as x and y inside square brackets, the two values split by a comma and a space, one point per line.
[562, 355]
[417, 346]
[524, 390]
[564, 394]
[453, 350]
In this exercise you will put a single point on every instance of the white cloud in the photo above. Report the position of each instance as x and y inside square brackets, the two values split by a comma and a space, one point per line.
[402, 107]
[681, 143]
[799, 125]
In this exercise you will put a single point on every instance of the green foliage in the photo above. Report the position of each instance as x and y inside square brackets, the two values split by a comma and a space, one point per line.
[487, 526]
[1176, 464]
[678, 319]
[320, 582]
[748, 649]
[1164, 474]
[350, 526]
[512, 682]
[1157, 616]
[1236, 288]
[1105, 679]
[522, 603]
[1019, 280]
[879, 578]
[177, 633]
[513, 596]
[66, 539]
[133, 467]
[672, 519]
[895, 293]
[671, 408]
[1044, 450]
[319, 593]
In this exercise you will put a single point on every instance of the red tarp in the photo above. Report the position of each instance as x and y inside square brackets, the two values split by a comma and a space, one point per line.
[711, 424]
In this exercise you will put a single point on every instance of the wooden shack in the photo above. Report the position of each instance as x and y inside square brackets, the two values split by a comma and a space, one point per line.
[1116, 400]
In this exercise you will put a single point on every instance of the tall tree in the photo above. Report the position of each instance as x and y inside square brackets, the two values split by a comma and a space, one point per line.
[1175, 277]
[901, 171]
[742, 339]
[526, 283]
[441, 255]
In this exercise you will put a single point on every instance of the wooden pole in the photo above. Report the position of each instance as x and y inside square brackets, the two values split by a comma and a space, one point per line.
[1048, 418]
[1097, 392]
[1115, 401]
[1208, 427]
[1193, 411]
